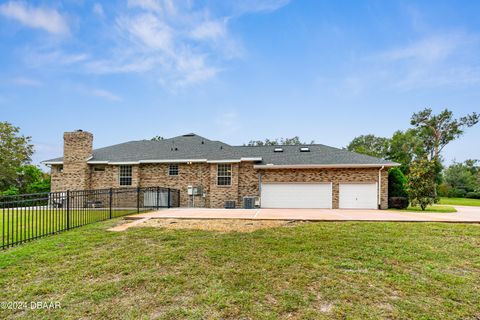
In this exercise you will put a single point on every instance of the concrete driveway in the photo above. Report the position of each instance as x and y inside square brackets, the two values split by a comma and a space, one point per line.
[464, 214]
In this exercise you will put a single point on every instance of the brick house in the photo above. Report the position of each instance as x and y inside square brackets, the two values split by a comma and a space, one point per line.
[212, 173]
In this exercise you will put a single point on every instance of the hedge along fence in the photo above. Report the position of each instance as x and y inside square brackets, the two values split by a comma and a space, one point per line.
[31, 216]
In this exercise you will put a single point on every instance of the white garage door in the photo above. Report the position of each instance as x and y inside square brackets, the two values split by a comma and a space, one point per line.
[296, 195]
[358, 196]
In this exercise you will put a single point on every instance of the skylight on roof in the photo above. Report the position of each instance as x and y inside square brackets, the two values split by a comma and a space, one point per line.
[278, 150]
[304, 149]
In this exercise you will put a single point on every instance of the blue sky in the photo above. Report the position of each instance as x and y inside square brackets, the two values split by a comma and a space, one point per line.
[236, 70]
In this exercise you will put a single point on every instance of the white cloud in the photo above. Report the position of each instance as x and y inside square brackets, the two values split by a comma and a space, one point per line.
[210, 30]
[149, 30]
[104, 94]
[23, 81]
[151, 5]
[253, 6]
[98, 9]
[42, 58]
[181, 45]
[179, 42]
[434, 60]
[47, 19]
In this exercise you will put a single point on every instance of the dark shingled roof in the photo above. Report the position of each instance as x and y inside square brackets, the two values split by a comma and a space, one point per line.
[192, 146]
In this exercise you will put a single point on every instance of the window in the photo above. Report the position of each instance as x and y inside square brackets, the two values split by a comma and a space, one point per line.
[125, 176]
[173, 170]
[224, 175]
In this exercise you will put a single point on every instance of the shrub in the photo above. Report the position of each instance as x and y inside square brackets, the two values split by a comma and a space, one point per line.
[12, 191]
[398, 202]
[397, 183]
[443, 190]
[473, 195]
[457, 193]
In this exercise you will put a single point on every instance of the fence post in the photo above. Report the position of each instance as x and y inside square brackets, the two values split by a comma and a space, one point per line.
[169, 198]
[68, 209]
[138, 199]
[158, 197]
[110, 202]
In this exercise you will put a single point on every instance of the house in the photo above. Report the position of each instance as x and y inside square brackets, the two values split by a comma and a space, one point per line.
[212, 173]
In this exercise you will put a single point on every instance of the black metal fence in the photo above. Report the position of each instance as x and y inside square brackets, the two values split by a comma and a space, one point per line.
[30, 216]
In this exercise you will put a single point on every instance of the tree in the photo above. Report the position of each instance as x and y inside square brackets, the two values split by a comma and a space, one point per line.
[295, 141]
[15, 151]
[437, 131]
[405, 146]
[370, 145]
[30, 179]
[157, 138]
[421, 183]
[397, 183]
[462, 178]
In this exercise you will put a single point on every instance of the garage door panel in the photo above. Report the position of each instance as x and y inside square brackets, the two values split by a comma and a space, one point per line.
[358, 196]
[289, 195]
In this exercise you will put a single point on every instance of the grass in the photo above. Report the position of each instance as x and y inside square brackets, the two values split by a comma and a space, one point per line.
[435, 208]
[27, 223]
[329, 270]
[460, 201]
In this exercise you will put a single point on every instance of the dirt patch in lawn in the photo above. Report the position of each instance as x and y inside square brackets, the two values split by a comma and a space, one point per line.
[220, 225]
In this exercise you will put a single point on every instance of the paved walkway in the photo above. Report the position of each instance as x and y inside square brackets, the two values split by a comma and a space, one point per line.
[464, 214]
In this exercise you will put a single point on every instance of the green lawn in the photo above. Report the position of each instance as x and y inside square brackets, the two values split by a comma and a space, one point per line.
[435, 208]
[326, 270]
[460, 201]
[17, 225]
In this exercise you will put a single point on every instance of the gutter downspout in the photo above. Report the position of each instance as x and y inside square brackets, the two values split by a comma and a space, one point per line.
[260, 187]
[380, 186]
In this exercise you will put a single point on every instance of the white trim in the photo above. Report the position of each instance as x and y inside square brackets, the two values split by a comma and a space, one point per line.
[161, 161]
[126, 163]
[51, 162]
[224, 161]
[172, 161]
[308, 166]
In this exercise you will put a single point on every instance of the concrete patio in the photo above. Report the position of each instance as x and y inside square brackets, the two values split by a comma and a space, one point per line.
[464, 214]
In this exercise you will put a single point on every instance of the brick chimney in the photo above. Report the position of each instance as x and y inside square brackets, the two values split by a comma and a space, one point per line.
[77, 149]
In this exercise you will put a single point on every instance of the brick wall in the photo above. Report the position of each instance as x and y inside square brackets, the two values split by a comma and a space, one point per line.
[195, 174]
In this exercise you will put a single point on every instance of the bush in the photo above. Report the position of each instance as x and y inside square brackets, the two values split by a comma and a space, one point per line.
[443, 190]
[398, 202]
[456, 193]
[473, 195]
[12, 191]
[397, 183]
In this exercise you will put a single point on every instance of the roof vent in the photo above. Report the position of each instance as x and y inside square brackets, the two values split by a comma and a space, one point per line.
[304, 149]
[189, 135]
[278, 150]
[203, 142]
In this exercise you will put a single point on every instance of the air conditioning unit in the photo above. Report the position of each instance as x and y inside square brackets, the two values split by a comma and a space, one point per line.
[250, 202]
[230, 204]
